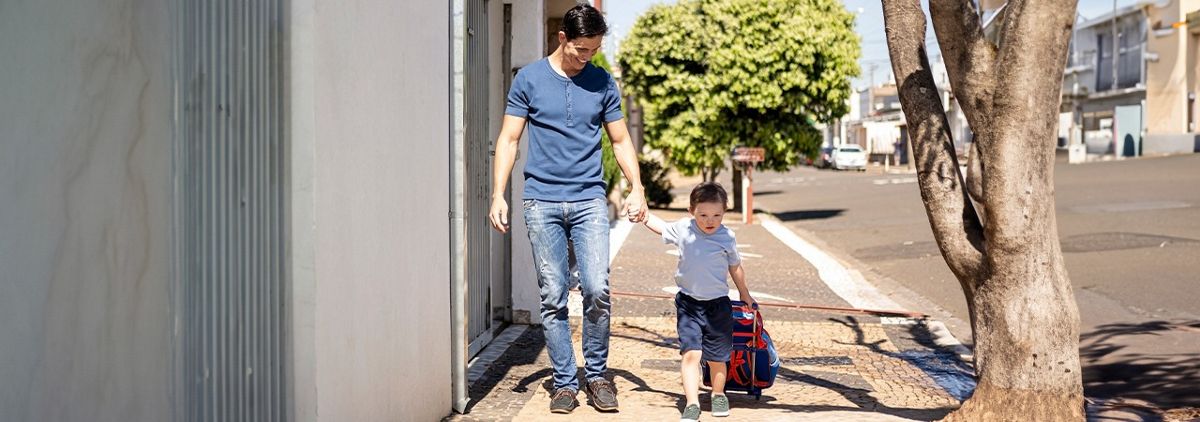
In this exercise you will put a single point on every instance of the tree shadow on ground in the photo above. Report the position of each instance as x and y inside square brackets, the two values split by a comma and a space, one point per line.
[651, 338]
[642, 386]
[861, 397]
[1112, 375]
[941, 364]
[808, 215]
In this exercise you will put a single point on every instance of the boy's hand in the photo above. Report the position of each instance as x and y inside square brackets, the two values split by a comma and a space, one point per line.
[748, 299]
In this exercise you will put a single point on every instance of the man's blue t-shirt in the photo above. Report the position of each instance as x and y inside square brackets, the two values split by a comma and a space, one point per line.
[565, 116]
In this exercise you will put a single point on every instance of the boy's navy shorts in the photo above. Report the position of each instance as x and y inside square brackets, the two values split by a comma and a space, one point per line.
[705, 325]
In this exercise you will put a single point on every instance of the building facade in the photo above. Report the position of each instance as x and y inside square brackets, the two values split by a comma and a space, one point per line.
[261, 210]
[1134, 95]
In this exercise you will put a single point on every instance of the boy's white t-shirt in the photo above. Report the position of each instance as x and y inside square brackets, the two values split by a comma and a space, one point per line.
[704, 259]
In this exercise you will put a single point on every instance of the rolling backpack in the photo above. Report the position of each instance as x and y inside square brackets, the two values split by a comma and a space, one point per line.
[754, 362]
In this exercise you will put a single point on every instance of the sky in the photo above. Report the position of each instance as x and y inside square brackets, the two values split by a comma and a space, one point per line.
[868, 24]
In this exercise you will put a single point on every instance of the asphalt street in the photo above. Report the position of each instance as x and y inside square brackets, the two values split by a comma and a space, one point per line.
[1130, 233]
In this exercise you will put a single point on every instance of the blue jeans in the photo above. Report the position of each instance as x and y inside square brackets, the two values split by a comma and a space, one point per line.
[584, 224]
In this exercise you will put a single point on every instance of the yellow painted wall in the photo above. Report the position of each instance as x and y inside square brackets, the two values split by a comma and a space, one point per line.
[1166, 79]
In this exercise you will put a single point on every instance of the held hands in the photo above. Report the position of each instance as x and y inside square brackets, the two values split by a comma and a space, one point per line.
[499, 214]
[635, 206]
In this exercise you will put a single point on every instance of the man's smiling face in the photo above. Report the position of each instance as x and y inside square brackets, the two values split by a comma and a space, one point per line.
[578, 52]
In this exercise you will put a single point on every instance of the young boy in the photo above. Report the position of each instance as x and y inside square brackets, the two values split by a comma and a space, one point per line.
[707, 251]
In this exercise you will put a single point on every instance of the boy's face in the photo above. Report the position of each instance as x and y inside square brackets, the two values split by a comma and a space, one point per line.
[708, 216]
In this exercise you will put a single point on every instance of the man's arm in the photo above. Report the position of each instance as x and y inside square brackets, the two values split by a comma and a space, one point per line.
[635, 203]
[655, 224]
[739, 280]
[507, 145]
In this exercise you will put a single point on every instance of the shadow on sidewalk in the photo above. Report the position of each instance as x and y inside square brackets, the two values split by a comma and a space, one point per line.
[789, 216]
[522, 351]
[640, 385]
[1123, 379]
[657, 339]
[942, 365]
[861, 398]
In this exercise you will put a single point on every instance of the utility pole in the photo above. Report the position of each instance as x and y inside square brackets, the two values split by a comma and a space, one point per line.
[1115, 47]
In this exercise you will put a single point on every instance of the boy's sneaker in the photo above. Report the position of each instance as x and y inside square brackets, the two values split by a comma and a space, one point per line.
[563, 401]
[720, 405]
[603, 394]
[691, 413]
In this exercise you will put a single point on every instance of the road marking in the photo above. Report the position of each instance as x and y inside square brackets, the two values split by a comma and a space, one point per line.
[616, 237]
[847, 284]
[895, 181]
[734, 295]
[852, 287]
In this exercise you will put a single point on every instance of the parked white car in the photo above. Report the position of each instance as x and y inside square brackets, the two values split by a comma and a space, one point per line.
[849, 157]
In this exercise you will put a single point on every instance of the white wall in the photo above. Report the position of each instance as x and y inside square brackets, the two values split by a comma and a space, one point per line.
[496, 99]
[371, 139]
[527, 31]
[85, 185]
[527, 48]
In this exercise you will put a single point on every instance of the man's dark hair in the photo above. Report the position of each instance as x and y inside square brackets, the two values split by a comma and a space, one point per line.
[583, 21]
[708, 192]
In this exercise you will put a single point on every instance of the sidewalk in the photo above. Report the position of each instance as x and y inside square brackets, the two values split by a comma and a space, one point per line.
[837, 366]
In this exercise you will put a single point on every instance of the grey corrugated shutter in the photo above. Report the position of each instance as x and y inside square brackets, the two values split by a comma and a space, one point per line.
[230, 231]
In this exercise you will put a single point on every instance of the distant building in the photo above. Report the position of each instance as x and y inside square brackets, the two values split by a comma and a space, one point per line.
[1131, 79]
[876, 121]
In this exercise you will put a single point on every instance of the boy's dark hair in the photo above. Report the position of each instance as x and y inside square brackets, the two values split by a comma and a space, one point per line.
[708, 192]
[583, 21]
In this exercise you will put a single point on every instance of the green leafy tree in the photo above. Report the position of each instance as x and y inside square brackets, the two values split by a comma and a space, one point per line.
[715, 74]
[608, 160]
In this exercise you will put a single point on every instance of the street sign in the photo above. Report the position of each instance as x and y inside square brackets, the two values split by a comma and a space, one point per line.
[748, 155]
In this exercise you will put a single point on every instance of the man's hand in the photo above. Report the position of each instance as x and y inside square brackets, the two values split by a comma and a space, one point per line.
[635, 206]
[499, 214]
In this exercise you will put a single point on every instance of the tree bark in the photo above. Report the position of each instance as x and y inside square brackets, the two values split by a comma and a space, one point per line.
[958, 234]
[1023, 310]
[968, 56]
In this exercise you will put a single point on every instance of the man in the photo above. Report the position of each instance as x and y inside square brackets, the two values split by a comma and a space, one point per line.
[565, 101]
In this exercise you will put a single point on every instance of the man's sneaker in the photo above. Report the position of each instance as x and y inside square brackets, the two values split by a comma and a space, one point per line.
[563, 401]
[603, 394]
[720, 405]
[691, 413]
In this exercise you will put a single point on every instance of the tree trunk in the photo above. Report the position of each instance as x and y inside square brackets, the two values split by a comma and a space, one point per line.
[1026, 336]
[735, 188]
[1023, 310]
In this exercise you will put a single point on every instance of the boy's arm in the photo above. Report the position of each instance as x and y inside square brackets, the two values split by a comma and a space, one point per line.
[739, 280]
[655, 224]
[635, 203]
